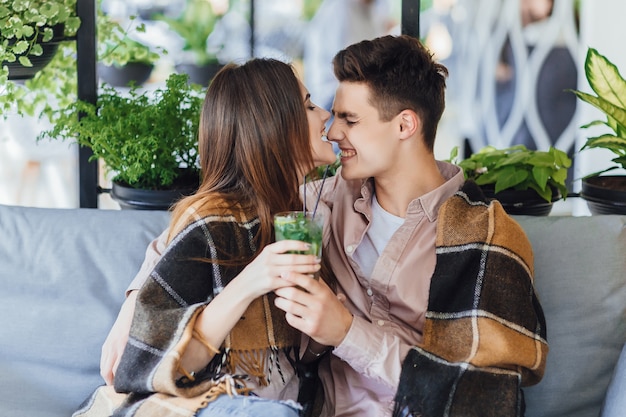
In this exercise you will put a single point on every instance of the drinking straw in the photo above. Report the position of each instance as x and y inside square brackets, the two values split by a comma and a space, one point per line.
[304, 197]
[319, 194]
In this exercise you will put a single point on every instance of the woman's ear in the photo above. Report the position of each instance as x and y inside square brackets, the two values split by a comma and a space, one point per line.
[410, 123]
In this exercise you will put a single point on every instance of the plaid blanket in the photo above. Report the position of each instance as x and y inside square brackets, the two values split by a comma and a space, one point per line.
[208, 250]
[485, 332]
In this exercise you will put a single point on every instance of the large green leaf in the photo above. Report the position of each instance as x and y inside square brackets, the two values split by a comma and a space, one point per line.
[605, 79]
[542, 159]
[611, 110]
[20, 47]
[561, 159]
[545, 193]
[509, 177]
[541, 175]
[514, 158]
[610, 142]
[49, 10]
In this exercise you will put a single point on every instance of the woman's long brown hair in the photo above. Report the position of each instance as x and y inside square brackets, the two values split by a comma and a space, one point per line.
[253, 142]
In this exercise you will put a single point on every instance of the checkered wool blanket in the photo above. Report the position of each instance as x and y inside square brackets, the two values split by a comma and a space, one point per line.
[148, 380]
[485, 332]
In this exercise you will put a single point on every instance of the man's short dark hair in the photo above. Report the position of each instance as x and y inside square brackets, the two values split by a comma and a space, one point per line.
[401, 74]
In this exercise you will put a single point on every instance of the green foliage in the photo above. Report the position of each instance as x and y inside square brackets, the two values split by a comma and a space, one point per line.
[309, 8]
[143, 138]
[318, 172]
[116, 47]
[55, 86]
[26, 24]
[518, 168]
[194, 25]
[610, 88]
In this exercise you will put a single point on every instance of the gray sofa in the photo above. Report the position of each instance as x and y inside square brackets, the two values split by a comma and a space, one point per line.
[63, 273]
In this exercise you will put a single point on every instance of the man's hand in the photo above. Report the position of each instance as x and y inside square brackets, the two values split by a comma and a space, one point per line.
[314, 309]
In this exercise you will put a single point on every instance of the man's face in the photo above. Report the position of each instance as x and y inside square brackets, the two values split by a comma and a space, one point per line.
[367, 144]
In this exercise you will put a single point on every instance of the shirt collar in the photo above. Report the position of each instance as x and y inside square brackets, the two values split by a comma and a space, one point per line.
[430, 202]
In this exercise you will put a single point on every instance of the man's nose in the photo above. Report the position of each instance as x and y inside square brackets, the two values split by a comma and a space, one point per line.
[333, 134]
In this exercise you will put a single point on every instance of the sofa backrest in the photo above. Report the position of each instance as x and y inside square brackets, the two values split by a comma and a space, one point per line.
[580, 278]
[63, 273]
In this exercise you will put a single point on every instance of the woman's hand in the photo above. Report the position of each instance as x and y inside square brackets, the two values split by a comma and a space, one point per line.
[261, 276]
[264, 274]
[115, 342]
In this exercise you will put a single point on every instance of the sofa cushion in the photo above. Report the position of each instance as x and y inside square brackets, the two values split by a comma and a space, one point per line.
[615, 402]
[580, 276]
[63, 273]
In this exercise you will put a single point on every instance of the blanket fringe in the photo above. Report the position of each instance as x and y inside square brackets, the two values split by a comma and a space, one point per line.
[252, 363]
[226, 384]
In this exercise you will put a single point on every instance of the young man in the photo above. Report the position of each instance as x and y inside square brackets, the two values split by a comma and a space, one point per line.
[440, 316]
[435, 312]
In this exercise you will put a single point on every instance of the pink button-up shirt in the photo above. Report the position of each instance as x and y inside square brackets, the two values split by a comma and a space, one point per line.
[360, 378]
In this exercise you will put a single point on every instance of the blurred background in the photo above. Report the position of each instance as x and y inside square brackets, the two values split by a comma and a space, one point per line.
[511, 63]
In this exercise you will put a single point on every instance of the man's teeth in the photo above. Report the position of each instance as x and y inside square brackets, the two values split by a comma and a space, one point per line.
[346, 153]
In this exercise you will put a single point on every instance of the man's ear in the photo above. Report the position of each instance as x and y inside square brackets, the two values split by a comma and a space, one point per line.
[410, 123]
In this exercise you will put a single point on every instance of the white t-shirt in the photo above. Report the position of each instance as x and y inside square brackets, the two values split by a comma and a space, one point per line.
[381, 228]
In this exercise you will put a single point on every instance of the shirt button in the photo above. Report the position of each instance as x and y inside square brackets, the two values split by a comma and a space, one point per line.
[381, 322]
[350, 248]
[370, 292]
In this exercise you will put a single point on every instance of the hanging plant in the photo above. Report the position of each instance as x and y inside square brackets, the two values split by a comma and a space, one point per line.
[23, 31]
[29, 29]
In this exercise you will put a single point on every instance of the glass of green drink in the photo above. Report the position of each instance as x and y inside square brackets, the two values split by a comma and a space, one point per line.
[296, 225]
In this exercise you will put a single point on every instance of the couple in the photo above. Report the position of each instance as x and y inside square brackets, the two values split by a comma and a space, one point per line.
[429, 309]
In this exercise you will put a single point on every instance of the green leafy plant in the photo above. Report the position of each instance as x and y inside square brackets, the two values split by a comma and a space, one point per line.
[318, 172]
[610, 88]
[55, 86]
[194, 25]
[518, 168]
[143, 138]
[25, 25]
[116, 47]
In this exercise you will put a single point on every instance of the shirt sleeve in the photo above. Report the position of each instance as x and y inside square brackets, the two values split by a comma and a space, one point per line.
[373, 352]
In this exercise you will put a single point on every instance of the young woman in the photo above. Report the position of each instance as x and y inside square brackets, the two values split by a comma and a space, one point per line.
[206, 338]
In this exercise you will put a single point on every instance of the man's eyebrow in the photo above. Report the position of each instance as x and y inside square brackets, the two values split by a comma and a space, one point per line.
[343, 114]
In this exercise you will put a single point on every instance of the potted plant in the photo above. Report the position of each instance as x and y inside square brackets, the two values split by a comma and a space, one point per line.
[194, 25]
[124, 60]
[524, 181]
[54, 86]
[606, 194]
[30, 33]
[147, 140]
